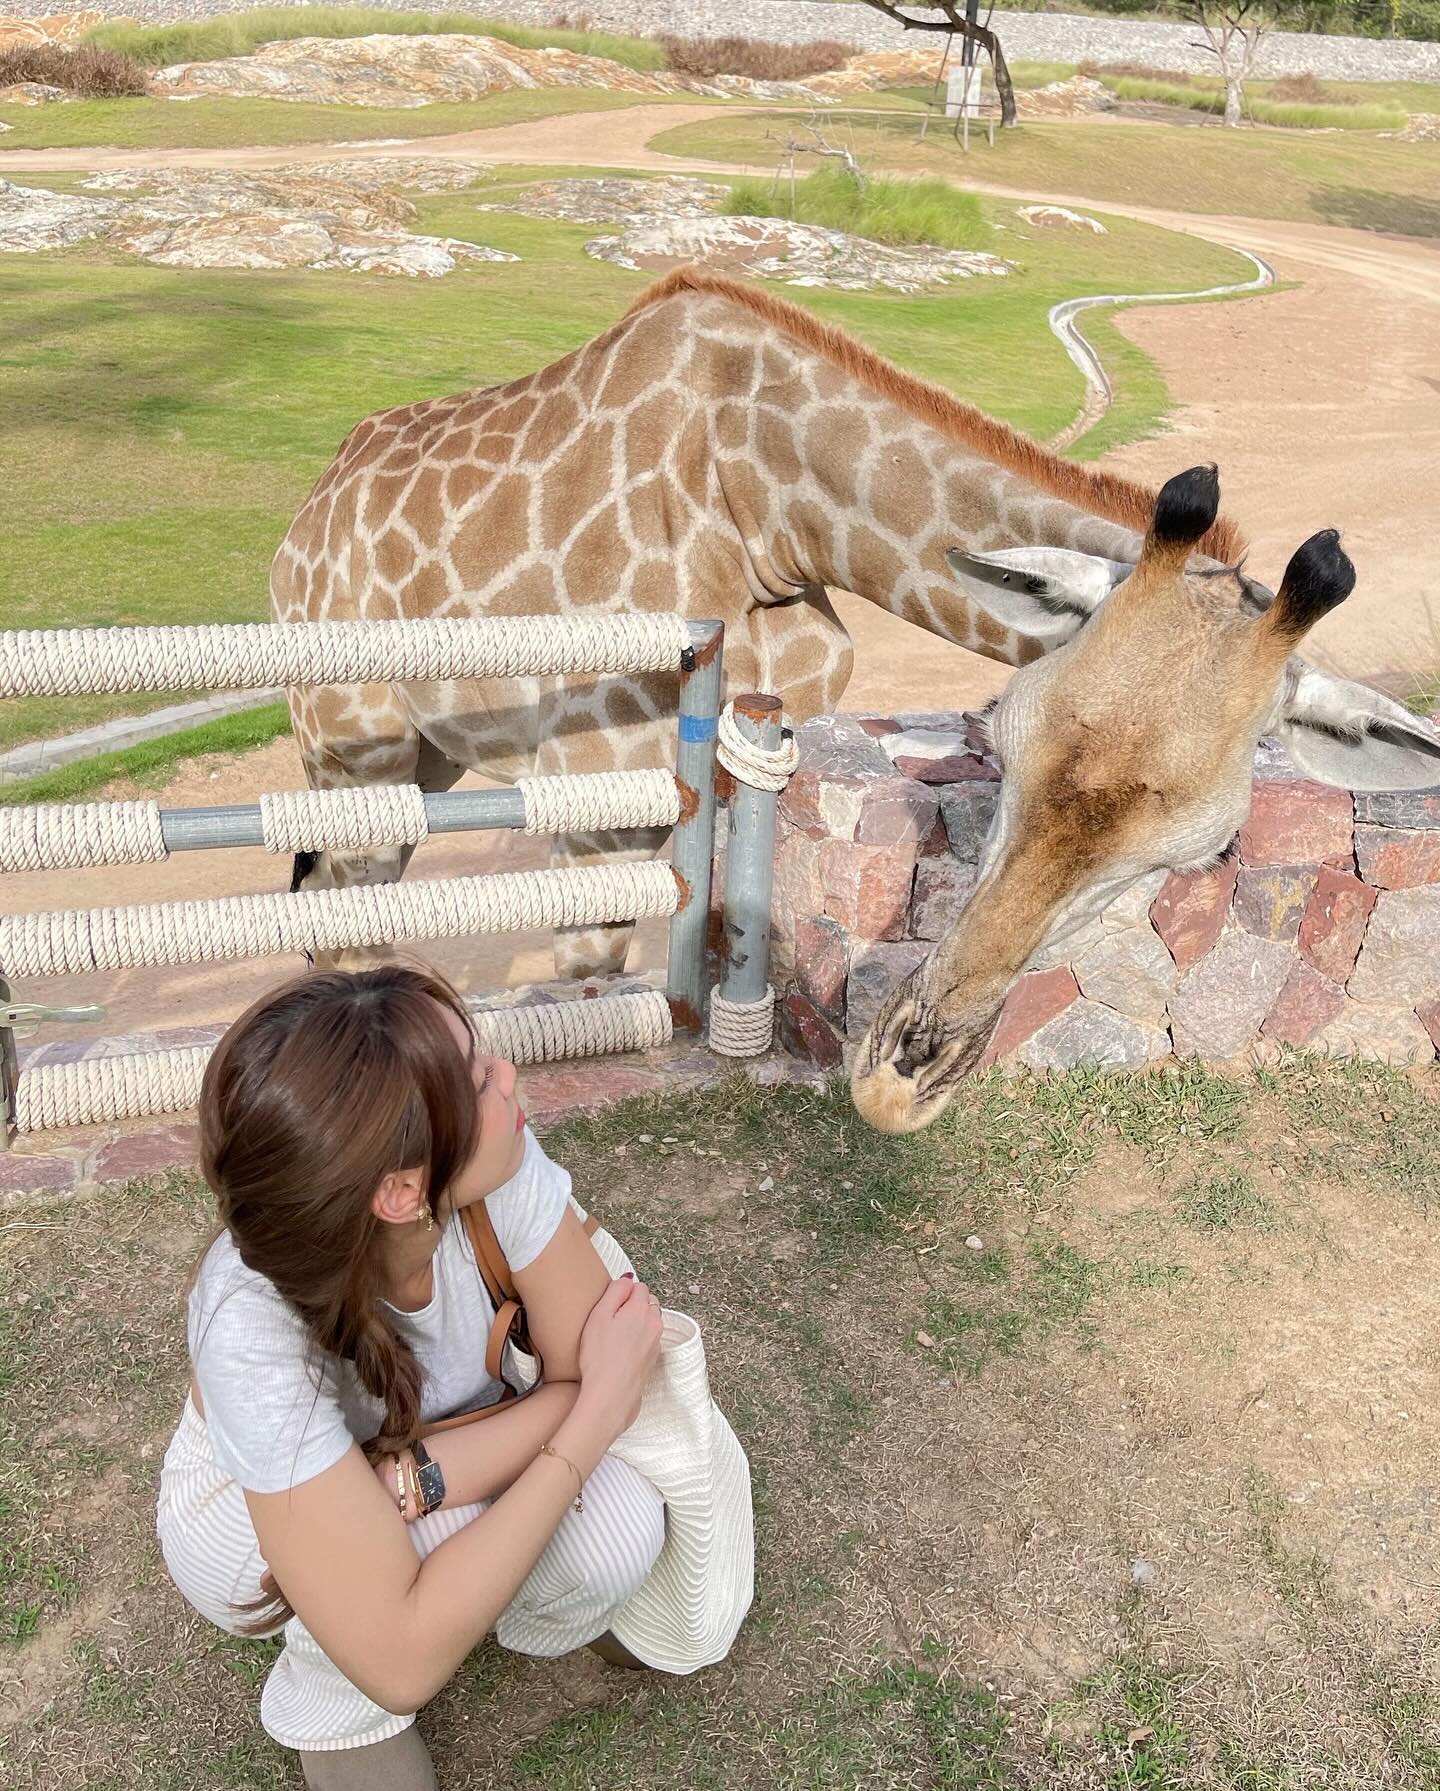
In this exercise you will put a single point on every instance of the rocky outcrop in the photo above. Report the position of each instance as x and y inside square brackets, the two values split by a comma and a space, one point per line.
[1075, 98]
[613, 200]
[797, 254]
[31, 93]
[397, 71]
[345, 215]
[1059, 217]
[55, 28]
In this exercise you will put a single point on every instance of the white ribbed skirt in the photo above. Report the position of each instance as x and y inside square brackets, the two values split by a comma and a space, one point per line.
[593, 1564]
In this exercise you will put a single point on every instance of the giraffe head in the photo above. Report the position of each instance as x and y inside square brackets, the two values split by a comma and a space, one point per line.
[1127, 747]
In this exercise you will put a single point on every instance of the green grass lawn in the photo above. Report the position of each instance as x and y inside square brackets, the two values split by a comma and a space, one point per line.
[1352, 179]
[1087, 1433]
[165, 424]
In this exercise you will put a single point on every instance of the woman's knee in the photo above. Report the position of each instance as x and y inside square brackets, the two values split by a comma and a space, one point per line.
[623, 1525]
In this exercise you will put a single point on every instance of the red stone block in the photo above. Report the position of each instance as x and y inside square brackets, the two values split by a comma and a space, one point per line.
[1334, 924]
[822, 963]
[878, 726]
[1428, 1013]
[806, 1032]
[35, 1175]
[958, 768]
[867, 888]
[1397, 857]
[1298, 822]
[1036, 999]
[936, 842]
[1190, 910]
[1304, 1007]
[147, 1153]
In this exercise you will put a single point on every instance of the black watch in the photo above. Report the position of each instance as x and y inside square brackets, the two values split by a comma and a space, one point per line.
[429, 1479]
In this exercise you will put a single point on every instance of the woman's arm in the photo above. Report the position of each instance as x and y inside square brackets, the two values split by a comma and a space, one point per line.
[397, 1626]
[481, 1460]
[560, 1289]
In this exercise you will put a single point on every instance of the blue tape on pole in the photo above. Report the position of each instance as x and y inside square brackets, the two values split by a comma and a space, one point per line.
[698, 727]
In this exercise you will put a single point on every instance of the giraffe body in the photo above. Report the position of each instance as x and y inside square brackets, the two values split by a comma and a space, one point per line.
[717, 453]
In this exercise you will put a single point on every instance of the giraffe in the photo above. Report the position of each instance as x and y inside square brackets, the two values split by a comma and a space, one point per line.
[1128, 747]
[717, 452]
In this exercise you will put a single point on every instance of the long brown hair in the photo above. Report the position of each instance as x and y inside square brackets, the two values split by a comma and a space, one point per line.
[313, 1096]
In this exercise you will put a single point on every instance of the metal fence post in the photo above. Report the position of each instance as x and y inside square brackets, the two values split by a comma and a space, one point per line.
[9, 1073]
[693, 850]
[750, 862]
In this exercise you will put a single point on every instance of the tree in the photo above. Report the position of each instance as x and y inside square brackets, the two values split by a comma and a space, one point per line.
[960, 18]
[1233, 28]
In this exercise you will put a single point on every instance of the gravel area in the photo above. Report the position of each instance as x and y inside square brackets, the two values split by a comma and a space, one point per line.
[1027, 36]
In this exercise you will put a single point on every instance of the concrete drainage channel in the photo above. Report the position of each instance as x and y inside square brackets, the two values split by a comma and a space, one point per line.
[1099, 393]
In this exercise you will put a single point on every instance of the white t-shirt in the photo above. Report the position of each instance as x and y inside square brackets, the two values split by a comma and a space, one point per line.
[278, 1412]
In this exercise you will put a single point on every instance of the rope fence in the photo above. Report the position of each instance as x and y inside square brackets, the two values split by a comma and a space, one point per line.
[69, 836]
[75, 941]
[752, 745]
[256, 655]
[99, 1090]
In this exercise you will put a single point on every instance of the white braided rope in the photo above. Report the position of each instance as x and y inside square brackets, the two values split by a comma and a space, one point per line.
[741, 1028]
[64, 836]
[327, 920]
[255, 655]
[105, 1088]
[100, 1089]
[594, 800]
[546, 1033]
[763, 768]
[343, 820]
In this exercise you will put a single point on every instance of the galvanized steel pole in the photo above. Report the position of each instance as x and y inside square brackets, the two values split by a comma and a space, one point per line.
[750, 862]
[693, 849]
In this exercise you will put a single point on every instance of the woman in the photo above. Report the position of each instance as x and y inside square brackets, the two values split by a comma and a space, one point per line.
[346, 1121]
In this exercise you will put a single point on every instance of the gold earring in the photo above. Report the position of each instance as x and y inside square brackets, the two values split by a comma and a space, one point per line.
[426, 1218]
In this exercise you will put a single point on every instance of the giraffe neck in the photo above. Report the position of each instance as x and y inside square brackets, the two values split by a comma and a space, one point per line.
[831, 482]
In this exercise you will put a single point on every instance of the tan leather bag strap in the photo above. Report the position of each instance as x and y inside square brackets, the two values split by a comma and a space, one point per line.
[510, 1325]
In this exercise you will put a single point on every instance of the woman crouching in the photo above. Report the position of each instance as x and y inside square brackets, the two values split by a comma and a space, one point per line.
[346, 1122]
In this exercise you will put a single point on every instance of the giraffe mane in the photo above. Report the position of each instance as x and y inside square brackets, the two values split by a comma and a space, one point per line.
[1103, 494]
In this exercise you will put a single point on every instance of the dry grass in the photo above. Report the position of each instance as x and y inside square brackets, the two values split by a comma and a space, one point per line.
[703, 57]
[1136, 1494]
[88, 72]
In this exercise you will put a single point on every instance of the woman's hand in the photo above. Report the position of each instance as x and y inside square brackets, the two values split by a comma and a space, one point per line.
[619, 1347]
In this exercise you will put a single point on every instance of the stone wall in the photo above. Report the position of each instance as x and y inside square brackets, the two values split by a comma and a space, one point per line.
[1321, 929]
[1027, 36]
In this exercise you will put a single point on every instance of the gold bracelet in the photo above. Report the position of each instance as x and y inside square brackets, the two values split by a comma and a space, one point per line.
[412, 1484]
[400, 1485]
[545, 1449]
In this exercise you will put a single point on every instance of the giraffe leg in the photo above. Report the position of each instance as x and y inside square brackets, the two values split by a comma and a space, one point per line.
[600, 950]
[338, 755]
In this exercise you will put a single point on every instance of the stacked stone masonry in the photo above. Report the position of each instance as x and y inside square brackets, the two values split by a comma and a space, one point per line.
[1027, 36]
[1320, 929]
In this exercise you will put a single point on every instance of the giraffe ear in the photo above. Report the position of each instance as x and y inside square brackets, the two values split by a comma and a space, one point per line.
[1347, 734]
[1045, 593]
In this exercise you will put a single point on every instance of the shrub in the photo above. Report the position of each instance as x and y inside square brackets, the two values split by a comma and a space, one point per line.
[87, 71]
[702, 57]
[1135, 71]
[239, 34]
[1343, 116]
[887, 211]
[1305, 90]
